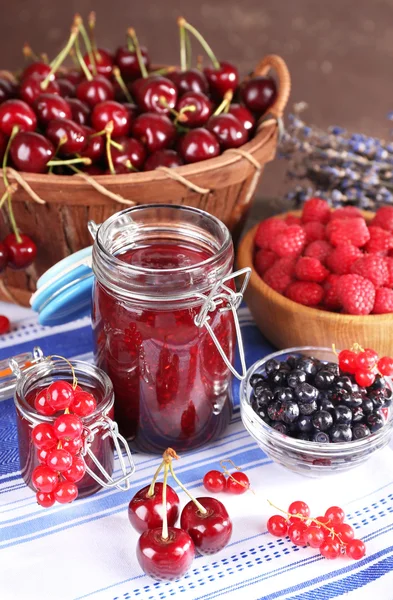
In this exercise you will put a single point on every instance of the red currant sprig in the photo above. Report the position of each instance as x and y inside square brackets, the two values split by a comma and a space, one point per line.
[235, 483]
[328, 533]
[59, 445]
[364, 364]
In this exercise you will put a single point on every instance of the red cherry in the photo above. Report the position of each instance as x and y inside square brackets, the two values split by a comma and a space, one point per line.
[111, 111]
[3, 256]
[95, 91]
[16, 113]
[210, 532]
[20, 254]
[155, 131]
[335, 514]
[258, 94]
[345, 532]
[44, 479]
[74, 75]
[42, 455]
[228, 130]
[7, 90]
[347, 361]
[58, 129]
[155, 94]
[237, 483]
[356, 549]
[330, 549]
[277, 526]
[214, 481]
[94, 170]
[60, 394]
[68, 427]
[95, 145]
[364, 378]
[41, 404]
[145, 512]
[30, 152]
[132, 110]
[49, 106]
[44, 436]
[5, 325]
[223, 79]
[66, 492]
[72, 446]
[83, 404]
[132, 150]
[39, 69]
[59, 460]
[67, 89]
[80, 111]
[76, 471]
[192, 80]
[299, 508]
[103, 61]
[314, 536]
[198, 144]
[296, 533]
[385, 366]
[163, 158]
[367, 359]
[31, 88]
[167, 559]
[243, 115]
[202, 106]
[127, 61]
[45, 500]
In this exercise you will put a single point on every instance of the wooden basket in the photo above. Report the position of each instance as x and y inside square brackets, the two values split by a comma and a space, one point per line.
[224, 186]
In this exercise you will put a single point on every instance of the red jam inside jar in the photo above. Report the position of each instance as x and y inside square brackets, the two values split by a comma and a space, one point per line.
[91, 380]
[154, 267]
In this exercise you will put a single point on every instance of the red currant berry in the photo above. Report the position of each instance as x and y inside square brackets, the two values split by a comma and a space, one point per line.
[367, 359]
[66, 492]
[385, 366]
[45, 500]
[76, 471]
[44, 436]
[356, 549]
[237, 483]
[296, 533]
[299, 508]
[83, 404]
[59, 460]
[314, 536]
[60, 395]
[345, 532]
[277, 526]
[44, 479]
[330, 549]
[335, 514]
[41, 404]
[42, 455]
[72, 446]
[347, 361]
[364, 378]
[324, 520]
[5, 325]
[68, 427]
[214, 481]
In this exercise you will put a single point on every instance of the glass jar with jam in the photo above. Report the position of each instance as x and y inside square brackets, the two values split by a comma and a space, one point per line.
[165, 324]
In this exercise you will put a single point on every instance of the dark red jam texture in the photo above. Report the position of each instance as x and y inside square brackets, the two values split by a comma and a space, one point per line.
[172, 387]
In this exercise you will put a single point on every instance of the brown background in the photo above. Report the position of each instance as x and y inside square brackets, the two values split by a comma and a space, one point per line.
[340, 52]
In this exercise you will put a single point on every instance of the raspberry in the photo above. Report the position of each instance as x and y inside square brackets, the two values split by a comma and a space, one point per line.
[310, 269]
[357, 294]
[290, 242]
[348, 212]
[314, 231]
[316, 209]
[263, 260]
[383, 301]
[331, 299]
[384, 218]
[353, 231]
[380, 241]
[292, 220]
[341, 259]
[373, 267]
[319, 249]
[278, 276]
[389, 264]
[305, 292]
[267, 231]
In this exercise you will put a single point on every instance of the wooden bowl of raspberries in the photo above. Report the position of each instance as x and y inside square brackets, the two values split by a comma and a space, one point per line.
[322, 276]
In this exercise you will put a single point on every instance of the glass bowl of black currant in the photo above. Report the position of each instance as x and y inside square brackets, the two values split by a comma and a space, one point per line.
[310, 417]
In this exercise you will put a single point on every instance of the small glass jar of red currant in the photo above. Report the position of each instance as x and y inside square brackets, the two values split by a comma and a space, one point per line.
[53, 431]
[165, 323]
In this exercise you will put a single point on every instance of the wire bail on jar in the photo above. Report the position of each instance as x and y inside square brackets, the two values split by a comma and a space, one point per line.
[224, 298]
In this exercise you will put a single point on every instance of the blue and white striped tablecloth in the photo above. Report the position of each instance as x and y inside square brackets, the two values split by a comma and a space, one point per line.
[87, 549]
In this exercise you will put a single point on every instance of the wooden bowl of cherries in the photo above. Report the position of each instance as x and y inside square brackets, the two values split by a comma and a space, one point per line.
[81, 142]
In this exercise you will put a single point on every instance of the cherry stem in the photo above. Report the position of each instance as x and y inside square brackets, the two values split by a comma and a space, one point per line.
[79, 22]
[81, 61]
[303, 518]
[72, 55]
[179, 483]
[150, 493]
[183, 49]
[14, 226]
[129, 43]
[74, 379]
[28, 53]
[91, 20]
[44, 57]
[69, 161]
[60, 58]
[131, 33]
[199, 64]
[183, 23]
[108, 133]
[123, 87]
[224, 106]
[164, 533]
[61, 143]
[11, 189]
[188, 51]
[163, 70]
